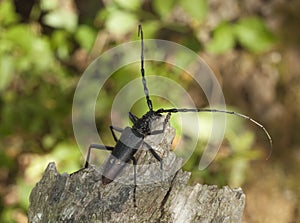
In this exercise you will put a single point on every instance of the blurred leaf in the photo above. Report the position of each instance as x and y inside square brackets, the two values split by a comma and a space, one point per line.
[206, 120]
[49, 4]
[163, 8]
[67, 156]
[242, 141]
[241, 145]
[7, 215]
[6, 71]
[192, 43]
[252, 33]
[60, 41]
[85, 36]
[223, 39]
[8, 15]
[120, 22]
[42, 47]
[48, 141]
[238, 173]
[197, 9]
[102, 16]
[22, 36]
[30, 50]
[24, 190]
[5, 44]
[131, 5]
[61, 18]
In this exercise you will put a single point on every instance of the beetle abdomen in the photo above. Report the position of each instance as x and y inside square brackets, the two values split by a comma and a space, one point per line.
[124, 150]
[112, 169]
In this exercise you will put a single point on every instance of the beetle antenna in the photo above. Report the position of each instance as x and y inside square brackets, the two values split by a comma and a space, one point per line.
[175, 110]
[146, 91]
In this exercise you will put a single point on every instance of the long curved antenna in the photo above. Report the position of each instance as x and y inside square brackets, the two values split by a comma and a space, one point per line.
[149, 102]
[175, 110]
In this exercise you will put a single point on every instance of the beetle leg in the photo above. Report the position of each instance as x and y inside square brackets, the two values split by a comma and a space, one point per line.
[134, 179]
[95, 146]
[132, 117]
[157, 132]
[156, 156]
[112, 128]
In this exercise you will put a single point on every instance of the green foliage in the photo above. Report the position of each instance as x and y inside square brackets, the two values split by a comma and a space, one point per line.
[197, 9]
[61, 44]
[223, 39]
[231, 164]
[49, 4]
[7, 13]
[59, 17]
[129, 5]
[250, 32]
[85, 36]
[36, 95]
[66, 155]
[129, 22]
[163, 7]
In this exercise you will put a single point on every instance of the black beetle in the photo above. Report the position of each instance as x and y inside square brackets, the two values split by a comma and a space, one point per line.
[132, 138]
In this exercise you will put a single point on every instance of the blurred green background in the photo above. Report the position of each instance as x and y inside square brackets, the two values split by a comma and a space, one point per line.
[253, 47]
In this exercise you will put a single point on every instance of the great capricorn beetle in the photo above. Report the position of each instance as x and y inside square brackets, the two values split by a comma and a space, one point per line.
[132, 138]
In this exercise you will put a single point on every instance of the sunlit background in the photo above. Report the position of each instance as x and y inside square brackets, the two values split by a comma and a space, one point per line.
[252, 46]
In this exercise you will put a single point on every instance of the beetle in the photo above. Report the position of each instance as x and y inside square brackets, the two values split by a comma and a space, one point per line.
[132, 138]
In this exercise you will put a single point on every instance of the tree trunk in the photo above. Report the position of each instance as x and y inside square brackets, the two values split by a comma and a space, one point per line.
[161, 195]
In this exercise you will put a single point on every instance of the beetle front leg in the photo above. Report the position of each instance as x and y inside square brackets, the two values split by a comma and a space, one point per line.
[157, 132]
[95, 146]
[112, 128]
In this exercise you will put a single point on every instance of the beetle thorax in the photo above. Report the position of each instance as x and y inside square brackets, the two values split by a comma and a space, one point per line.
[143, 125]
